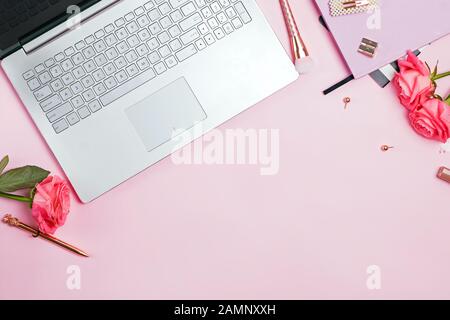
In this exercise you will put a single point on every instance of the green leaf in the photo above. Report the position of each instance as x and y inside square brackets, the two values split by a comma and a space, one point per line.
[4, 163]
[22, 178]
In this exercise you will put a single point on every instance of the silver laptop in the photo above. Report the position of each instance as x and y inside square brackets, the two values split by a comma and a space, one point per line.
[108, 82]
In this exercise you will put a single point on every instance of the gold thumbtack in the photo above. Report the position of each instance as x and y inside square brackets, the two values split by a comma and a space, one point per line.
[346, 100]
[385, 148]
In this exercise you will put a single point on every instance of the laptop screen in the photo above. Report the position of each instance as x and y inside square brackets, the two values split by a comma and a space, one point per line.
[22, 19]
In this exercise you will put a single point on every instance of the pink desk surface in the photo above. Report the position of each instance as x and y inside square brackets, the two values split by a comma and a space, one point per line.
[337, 206]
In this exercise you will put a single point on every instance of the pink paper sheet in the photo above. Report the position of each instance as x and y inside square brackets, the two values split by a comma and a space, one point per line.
[397, 25]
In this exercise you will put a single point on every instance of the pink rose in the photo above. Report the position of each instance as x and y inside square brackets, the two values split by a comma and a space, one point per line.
[51, 204]
[413, 81]
[431, 119]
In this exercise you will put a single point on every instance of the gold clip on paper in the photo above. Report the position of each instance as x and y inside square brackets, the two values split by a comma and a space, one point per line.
[368, 47]
[355, 4]
[444, 174]
[346, 7]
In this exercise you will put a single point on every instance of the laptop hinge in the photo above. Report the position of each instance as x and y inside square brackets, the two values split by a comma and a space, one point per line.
[77, 18]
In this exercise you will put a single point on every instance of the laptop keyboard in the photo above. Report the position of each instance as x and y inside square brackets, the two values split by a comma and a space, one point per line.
[96, 71]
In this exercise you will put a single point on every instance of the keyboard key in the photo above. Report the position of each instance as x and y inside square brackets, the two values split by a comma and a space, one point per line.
[100, 59]
[119, 22]
[109, 28]
[164, 9]
[33, 84]
[87, 82]
[109, 69]
[69, 51]
[90, 39]
[131, 56]
[79, 72]
[88, 95]
[175, 45]
[99, 89]
[99, 75]
[59, 112]
[100, 46]
[68, 79]
[215, 6]
[154, 15]
[142, 50]
[200, 44]
[110, 39]
[89, 52]
[73, 118]
[111, 54]
[148, 5]
[57, 85]
[176, 16]
[209, 39]
[153, 44]
[219, 33]
[77, 88]
[132, 70]
[171, 62]
[28, 75]
[43, 93]
[77, 102]
[56, 71]
[190, 36]
[51, 103]
[80, 45]
[237, 23]
[66, 94]
[50, 62]
[155, 28]
[188, 23]
[121, 76]
[186, 53]
[133, 41]
[143, 64]
[164, 51]
[60, 126]
[59, 57]
[177, 3]
[39, 68]
[95, 106]
[132, 27]
[127, 87]
[228, 28]
[84, 112]
[188, 9]
[99, 34]
[143, 21]
[154, 57]
[110, 82]
[67, 65]
[89, 66]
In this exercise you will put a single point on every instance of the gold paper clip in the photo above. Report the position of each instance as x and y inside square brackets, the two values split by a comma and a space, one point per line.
[444, 174]
[355, 4]
[368, 47]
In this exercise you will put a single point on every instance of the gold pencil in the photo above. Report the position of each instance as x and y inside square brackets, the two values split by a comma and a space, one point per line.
[14, 222]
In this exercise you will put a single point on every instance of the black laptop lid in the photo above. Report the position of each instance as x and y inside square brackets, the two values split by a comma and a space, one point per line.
[23, 20]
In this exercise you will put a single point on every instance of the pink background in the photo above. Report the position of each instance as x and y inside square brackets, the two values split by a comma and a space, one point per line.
[337, 206]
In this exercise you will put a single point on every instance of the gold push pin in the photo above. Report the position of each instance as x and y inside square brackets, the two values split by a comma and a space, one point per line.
[385, 148]
[346, 100]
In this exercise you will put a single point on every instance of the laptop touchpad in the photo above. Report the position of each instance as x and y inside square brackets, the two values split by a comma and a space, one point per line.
[174, 107]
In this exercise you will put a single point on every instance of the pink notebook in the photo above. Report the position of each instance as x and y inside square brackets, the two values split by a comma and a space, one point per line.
[404, 24]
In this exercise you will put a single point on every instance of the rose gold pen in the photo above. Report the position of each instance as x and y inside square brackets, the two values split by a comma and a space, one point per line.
[14, 222]
[302, 60]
